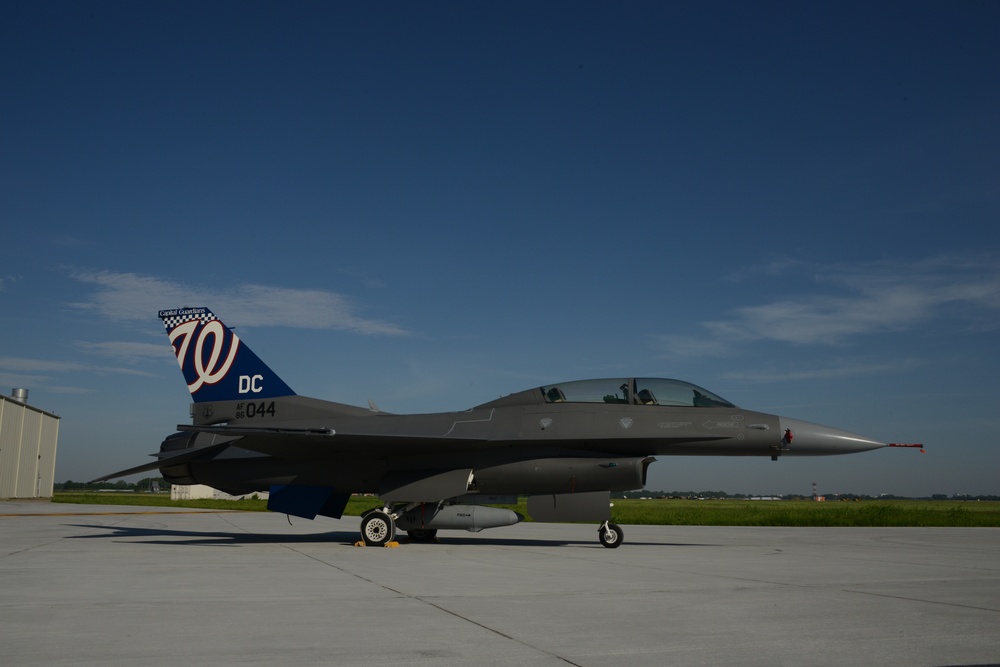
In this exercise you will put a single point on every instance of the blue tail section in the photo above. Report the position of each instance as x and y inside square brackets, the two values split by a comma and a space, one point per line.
[217, 366]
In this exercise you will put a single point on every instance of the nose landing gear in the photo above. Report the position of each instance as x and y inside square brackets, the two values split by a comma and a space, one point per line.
[610, 535]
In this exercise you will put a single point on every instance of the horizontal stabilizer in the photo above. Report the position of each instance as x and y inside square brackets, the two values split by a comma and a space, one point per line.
[165, 462]
[130, 471]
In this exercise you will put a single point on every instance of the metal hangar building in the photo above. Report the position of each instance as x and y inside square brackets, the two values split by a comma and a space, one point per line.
[28, 438]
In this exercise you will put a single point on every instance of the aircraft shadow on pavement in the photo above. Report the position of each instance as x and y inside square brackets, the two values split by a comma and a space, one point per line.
[459, 538]
[168, 536]
[208, 538]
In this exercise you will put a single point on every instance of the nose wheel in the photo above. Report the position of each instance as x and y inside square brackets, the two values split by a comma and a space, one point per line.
[610, 535]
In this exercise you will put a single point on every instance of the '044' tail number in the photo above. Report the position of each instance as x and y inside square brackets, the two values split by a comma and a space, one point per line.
[251, 410]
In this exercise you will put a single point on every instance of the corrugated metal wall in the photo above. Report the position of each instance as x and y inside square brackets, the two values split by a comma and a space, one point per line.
[47, 451]
[27, 471]
[11, 416]
[28, 438]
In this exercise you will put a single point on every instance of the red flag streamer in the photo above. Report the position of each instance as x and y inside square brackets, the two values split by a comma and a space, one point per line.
[908, 444]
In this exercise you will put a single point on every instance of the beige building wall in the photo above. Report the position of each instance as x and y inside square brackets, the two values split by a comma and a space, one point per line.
[28, 439]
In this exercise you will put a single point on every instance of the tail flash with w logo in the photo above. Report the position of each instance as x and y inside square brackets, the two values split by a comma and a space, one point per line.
[217, 366]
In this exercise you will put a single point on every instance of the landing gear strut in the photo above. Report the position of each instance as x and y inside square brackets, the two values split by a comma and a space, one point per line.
[610, 535]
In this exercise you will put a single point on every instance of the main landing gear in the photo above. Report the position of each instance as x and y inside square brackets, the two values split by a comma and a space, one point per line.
[378, 528]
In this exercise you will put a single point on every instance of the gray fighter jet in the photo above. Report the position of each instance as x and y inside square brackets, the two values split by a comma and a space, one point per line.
[566, 446]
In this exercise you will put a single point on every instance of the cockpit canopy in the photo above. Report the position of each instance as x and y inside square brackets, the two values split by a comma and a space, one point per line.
[634, 391]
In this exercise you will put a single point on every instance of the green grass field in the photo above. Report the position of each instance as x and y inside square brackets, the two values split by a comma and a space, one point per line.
[808, 513]
[672, 512]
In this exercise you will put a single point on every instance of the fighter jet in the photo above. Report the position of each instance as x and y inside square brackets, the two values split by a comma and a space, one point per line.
[566, 445]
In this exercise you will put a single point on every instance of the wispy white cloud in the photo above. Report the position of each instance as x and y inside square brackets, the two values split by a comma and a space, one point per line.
[128, 351]
[129, 296]
[67, 241]
[876, 298]
[825, 320]
[40, 382]
[43, 374]
[849, 370]
[22, 380]
[683, 347]
[365, 279]
[28, 365]
[7, 280]
[24, 365]
[773, 268]
[60, 389]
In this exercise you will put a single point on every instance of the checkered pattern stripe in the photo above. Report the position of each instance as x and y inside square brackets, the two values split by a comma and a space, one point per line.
[182, 315]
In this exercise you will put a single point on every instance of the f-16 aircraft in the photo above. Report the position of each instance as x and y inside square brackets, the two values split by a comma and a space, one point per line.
[567, 445]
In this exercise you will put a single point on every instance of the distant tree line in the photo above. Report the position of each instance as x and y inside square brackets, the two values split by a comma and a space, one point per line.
[142, 486]
[722, 495]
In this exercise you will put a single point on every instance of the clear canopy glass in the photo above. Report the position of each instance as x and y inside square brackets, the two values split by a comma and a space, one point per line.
[637, 391]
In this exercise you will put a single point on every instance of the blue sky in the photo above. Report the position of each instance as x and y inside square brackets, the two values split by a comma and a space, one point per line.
[794, 205]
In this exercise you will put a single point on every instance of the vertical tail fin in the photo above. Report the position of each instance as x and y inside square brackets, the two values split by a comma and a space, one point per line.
[217, 366]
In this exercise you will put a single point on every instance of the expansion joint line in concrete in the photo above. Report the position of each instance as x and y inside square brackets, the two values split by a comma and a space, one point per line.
[432, 604]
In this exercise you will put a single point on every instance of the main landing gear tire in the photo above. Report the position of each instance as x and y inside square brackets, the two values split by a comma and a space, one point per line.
[610, 535]
[377, 529]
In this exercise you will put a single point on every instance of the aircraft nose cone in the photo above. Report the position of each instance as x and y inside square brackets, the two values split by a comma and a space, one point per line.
[815, 440]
